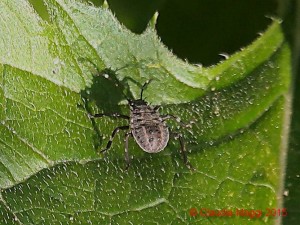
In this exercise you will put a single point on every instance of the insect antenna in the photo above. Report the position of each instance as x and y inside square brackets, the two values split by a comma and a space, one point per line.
[109, 74]
[144, 87]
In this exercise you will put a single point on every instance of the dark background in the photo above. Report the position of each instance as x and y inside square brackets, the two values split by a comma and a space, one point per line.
[199, 30]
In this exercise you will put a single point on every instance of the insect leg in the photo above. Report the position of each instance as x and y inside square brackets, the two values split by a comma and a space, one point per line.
[183, 150]
[116, 115]
[127, 159]
[176, 118]
[116, 130]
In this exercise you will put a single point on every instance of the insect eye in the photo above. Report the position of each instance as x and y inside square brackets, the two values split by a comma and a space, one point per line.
[130, 102]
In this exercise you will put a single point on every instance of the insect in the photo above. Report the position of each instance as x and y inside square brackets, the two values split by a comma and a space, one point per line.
[147, 126]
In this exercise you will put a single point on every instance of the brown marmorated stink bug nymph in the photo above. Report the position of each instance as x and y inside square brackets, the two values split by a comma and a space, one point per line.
[147, 126]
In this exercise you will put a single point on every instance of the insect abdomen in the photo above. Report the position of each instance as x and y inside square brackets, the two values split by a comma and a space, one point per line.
[151, 138]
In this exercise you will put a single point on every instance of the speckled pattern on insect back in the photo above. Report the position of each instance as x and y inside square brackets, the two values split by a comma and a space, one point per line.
[148, 128]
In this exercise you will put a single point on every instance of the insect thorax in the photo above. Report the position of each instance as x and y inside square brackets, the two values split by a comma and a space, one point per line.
[149, 130]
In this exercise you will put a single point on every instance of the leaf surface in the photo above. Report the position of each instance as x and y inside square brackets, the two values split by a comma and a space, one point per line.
[50, 172]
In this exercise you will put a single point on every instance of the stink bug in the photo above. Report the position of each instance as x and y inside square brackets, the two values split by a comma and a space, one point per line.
[147, 126]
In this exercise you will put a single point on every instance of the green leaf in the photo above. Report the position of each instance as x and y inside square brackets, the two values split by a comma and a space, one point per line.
[50, 172]
[291, 191]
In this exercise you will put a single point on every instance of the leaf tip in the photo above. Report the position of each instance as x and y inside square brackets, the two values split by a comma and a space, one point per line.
[152, 22]
[105, 5]
[274, 19]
